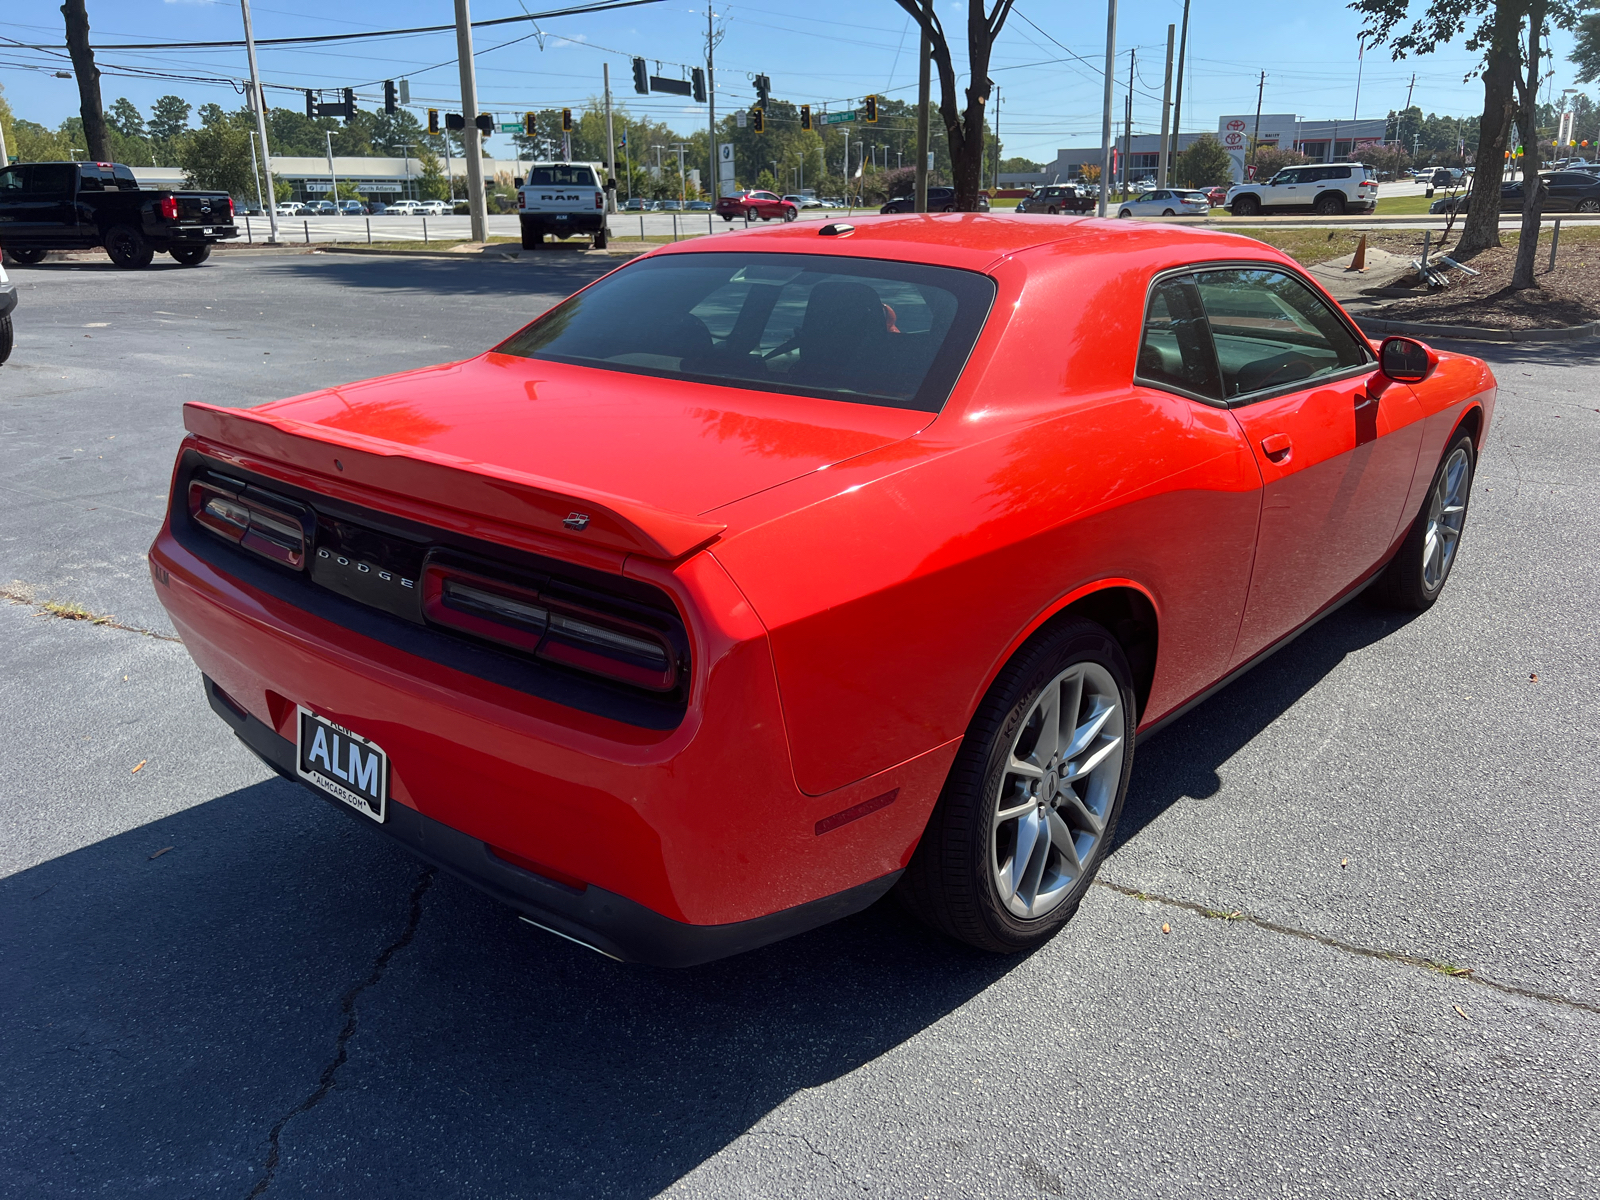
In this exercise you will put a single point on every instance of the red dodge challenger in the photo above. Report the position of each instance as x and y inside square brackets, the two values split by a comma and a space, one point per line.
[775, 571]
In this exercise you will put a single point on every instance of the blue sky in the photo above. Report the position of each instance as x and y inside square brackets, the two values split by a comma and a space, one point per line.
[822, 52]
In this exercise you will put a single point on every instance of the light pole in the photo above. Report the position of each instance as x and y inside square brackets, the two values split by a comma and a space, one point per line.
[332, 175]
[261, 122]
[405, 172]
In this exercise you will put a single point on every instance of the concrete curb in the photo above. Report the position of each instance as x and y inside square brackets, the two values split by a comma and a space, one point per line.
[1473, 333]
[512, 250]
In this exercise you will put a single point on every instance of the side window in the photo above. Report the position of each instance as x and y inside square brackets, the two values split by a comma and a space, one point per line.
[1337, 173]
[1270, 331]
[50, 179]
[1175, 351]
[90, 179]
[124, 178]
[11, 181]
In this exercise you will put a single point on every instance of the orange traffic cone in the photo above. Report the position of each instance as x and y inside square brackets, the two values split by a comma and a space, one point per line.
[1359, 262]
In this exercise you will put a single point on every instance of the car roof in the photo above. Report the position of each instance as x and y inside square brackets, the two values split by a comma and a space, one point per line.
[976, 240]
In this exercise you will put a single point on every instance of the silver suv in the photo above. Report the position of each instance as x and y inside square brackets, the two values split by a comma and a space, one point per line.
[1326, 188]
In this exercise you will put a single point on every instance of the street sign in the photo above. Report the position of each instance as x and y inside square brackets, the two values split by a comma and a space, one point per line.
[511, 127]
[841, 118]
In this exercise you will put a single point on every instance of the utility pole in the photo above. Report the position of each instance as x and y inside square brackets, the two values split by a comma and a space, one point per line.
[1361, 59]
[1177, 95]
[611, 142]
[1127, 123]
[261, 123]
[711, 98]
[477, 200]
[1166, 110]
[255, 168]
[332, 175]
[996, 141]
[1255, 140]
[1105, 116]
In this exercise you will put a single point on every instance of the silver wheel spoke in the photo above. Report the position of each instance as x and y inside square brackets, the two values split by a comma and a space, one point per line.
[1059, 782]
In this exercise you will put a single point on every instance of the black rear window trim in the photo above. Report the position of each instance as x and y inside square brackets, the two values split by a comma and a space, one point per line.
[957, 369]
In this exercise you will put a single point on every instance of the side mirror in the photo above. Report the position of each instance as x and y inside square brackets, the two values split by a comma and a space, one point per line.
[1406, 360]
[517, 182]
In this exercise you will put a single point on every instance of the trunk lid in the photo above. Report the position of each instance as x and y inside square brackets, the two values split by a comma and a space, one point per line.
[645, 460]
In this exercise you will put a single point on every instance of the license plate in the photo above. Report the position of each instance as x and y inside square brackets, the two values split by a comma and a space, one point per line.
[344, 764]
[561, 216]
[208, 230]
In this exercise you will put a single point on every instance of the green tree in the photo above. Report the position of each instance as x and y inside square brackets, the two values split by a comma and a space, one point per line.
[1269, 159]
[1016, 166]
[432, 185]
[216, 157]
[1204, 164]
[126, 118]
[169, 118]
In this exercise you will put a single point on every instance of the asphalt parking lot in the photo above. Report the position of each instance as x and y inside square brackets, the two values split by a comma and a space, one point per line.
[1347, 945]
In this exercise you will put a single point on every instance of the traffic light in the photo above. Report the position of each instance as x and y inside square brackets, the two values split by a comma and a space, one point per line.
[527, 124]
[697, 82]
[805, 116]
[349, 105]
[763, 90]
[311, 104]
[454, 122]
[389, 104]
[566, 120]
[433, 120]
[870, 110]
[641, 77]
[758, 120]
[484, 122]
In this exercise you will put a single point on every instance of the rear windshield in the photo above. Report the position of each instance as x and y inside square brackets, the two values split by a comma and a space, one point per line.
[561, 177]
[860, 330]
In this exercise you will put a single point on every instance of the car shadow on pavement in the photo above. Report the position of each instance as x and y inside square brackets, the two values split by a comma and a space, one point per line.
[169, 1008]
[531, 273]
[1183, 760]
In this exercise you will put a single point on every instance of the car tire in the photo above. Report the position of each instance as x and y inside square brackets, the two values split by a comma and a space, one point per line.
[1589, 206]
[1329, 204]
[790, 214]
[600, 238]
[6, 336]
[728, 219]
[1167, 212]
[1246, 206]
[532, 235]
[1052, 211]
[28, 256]
[191, 256]
[963, 878]
[127, 248]
[1417, 573]
[1124, 212]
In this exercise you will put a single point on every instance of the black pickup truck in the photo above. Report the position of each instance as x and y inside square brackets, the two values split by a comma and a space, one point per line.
[76, 205]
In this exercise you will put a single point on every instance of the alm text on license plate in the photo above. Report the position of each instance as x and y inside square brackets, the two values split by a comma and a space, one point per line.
[344, 764]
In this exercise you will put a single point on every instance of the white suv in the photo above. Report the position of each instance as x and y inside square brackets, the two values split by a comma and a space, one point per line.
[1325, 188]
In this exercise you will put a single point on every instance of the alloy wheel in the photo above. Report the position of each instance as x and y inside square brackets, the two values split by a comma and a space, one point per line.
[1056, 790]
[1447, 513]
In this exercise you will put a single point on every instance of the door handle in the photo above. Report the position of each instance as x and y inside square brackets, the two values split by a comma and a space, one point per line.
[1276, 446]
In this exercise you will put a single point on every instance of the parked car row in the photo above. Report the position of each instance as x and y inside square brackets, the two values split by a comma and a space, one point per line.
[1561, 191]
[357, 208]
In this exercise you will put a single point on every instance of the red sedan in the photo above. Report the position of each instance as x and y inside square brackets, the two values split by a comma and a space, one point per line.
[757, 205]
[767, 574]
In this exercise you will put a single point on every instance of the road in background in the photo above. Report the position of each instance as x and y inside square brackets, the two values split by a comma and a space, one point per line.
[216, 983]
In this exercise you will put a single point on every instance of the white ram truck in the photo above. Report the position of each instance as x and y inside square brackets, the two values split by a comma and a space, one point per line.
[562, 199]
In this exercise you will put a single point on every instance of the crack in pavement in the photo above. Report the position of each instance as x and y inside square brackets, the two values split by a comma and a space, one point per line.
[347, 1006]
[1439, 966]
[20, 593]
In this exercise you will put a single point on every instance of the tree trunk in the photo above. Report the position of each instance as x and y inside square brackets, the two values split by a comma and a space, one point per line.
[1482, 228]
[94, 118]
[1532, 201]
[963, 129]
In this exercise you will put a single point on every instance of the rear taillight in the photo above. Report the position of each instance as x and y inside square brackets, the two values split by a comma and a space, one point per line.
[522, 200]
[167, 206]
[599, 199]
[268, 525]
[230, 208]
[550, 627]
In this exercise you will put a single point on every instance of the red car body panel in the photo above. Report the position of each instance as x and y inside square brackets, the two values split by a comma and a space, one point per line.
[851, 578]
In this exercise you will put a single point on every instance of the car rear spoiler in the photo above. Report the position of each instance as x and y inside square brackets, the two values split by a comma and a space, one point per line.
[411, 473]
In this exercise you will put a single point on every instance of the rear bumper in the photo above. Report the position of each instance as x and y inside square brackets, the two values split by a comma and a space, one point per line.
[604, 921]
[584, 222]
[194, 235]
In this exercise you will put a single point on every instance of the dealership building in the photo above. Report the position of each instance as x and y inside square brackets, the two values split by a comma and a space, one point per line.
[1322, 141]
[385, 179]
